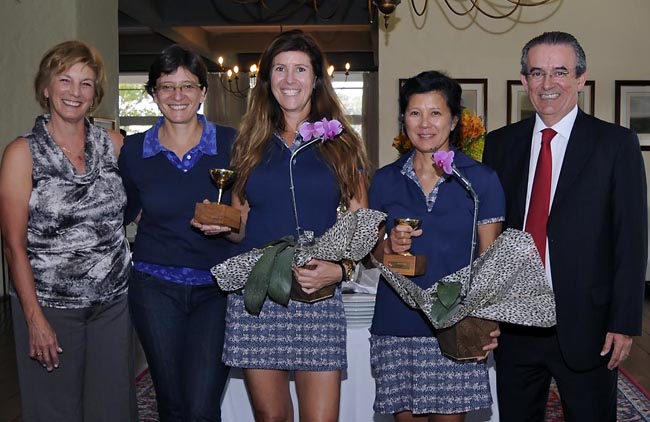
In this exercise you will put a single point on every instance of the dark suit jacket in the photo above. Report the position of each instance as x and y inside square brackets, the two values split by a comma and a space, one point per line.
[597, 229]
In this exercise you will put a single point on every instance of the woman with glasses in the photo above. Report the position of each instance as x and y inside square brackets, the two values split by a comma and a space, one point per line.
[177, 310]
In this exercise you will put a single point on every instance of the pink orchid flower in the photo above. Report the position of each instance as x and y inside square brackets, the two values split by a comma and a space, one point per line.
[307, 131]
[444, 160]
[323, 129]
[331, 129]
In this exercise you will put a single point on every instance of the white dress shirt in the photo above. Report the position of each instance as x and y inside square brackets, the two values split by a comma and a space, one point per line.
[558, 149]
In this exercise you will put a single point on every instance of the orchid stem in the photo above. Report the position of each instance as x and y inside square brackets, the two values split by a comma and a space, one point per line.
[292, 187]
[468, 185]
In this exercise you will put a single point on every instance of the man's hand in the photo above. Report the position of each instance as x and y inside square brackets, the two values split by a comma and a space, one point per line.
[622, 345]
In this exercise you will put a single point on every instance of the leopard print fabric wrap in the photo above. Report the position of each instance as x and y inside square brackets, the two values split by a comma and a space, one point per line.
[352, 237]
[509, 285]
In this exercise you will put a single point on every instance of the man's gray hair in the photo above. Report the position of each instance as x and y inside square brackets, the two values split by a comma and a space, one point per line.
[555, 38]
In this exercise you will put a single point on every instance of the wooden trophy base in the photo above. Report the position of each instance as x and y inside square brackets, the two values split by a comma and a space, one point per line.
[298, 294]
[410, 265]
[465, 339]
[217, 215]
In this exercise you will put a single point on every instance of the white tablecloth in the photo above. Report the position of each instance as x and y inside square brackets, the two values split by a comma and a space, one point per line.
[357, 388]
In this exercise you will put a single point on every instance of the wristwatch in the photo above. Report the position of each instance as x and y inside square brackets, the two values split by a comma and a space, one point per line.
[347, 270]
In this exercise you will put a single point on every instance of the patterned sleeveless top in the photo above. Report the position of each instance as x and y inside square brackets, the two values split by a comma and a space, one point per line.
[75, 239]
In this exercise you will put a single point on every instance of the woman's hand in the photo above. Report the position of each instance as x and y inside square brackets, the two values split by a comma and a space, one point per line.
[399, 240]
[317, 274]
[495, 342]
[43, 344]
[210, 230]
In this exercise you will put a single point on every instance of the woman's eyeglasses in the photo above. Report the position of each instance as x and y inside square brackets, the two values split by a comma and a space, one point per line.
[185, 87]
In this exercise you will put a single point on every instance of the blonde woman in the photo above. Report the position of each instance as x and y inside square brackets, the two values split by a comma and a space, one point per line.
[61, 208]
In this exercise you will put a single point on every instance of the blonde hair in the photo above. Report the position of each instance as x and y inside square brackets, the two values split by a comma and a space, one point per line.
[345, 155]
[62, 57]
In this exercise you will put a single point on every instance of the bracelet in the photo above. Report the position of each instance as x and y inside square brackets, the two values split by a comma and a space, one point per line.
[343, 271]
[347, 267]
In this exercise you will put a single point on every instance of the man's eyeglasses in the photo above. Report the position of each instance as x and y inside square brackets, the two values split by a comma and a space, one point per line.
[185, 87]
[556, 75]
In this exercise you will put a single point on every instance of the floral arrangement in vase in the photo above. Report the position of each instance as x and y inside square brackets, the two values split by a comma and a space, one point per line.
[472, 138]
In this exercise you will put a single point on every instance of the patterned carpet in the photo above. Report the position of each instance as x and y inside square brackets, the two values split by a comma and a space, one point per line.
[633, 403]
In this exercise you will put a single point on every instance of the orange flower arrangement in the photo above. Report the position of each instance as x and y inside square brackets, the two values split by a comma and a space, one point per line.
[472, 138]
[402, 144]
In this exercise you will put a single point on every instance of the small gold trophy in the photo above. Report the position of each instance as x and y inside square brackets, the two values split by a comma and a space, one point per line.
[216, 213]
[405, 263]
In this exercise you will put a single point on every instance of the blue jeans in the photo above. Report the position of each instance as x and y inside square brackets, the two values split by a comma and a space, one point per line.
[181, 329]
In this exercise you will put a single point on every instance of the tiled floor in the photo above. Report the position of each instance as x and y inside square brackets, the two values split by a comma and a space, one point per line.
[638, 364]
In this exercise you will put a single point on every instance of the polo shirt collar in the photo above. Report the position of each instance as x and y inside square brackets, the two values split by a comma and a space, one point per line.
[207, 144]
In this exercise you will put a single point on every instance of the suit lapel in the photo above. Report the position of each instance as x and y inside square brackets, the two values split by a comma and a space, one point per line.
[521, 160]
[581, 144]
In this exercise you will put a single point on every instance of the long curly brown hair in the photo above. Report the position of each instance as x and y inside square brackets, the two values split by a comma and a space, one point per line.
[345, 155]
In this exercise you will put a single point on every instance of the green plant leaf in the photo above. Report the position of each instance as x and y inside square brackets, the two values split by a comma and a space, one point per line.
[448, 293]
[439, 313]
[436, 312]
[257, 284]
[281, 277]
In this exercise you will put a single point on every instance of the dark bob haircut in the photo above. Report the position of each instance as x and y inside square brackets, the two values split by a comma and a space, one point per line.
[434, 81]
[170, 59]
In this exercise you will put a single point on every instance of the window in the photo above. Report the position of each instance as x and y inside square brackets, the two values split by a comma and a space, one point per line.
[138, 112]
[350, 92]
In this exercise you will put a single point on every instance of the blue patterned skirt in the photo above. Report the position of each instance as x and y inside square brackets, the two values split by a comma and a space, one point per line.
[412, 374]
[301, 336]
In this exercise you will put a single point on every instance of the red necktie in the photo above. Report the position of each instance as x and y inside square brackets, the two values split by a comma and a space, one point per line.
[540, 196]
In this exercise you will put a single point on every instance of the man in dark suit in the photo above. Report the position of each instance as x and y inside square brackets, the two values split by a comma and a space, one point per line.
[579, 188]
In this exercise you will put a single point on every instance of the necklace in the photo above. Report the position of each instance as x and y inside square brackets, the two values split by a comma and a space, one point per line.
[78, 155]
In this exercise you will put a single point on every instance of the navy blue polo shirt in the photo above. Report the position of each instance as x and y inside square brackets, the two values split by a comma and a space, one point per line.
[447, 216]
[271, 213]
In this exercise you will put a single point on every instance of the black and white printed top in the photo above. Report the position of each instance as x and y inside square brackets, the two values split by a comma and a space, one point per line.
[75, 240]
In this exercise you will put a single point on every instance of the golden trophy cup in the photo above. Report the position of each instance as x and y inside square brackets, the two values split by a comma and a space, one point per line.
[405, 263]
[216, 213]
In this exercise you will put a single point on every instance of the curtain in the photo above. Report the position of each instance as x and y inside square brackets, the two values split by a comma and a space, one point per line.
[221, 106]
[370, 115]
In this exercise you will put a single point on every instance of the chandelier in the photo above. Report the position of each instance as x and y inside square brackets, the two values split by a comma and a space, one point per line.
[230, 82]
[386, 7]
[330, 71]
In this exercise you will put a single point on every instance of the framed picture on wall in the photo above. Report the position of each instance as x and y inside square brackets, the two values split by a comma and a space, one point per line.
[474, 96]
[632, 108]
[104, 122]
[519, 106]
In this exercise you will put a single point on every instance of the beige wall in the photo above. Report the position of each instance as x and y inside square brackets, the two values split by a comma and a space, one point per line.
[29, 28]
[614, 34]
